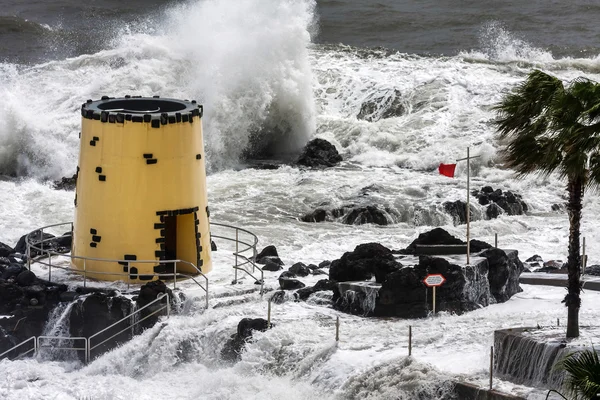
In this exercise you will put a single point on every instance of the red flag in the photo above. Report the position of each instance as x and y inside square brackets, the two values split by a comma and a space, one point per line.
[447, 170]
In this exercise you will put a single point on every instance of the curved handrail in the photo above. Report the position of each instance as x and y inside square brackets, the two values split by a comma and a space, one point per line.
[243, 245]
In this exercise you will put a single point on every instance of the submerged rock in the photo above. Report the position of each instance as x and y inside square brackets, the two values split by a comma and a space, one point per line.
[381, 105]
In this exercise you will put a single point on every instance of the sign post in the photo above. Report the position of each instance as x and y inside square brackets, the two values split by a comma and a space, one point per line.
[434, 280]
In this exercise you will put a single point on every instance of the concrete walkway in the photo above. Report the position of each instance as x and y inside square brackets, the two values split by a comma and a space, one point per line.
[541, 278]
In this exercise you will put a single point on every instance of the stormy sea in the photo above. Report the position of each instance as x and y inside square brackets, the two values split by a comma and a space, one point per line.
[398, 87]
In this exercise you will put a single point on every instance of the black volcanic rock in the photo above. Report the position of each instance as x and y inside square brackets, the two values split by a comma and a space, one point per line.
[233, 348]
[503, 274]
[5, 250]
[299, 269]
[492, 277]
[323, 284]
[500, 202]
[351, 214]
[458, 210]
[66, 183]
[319, 153]
[367, 260]
[432, 237]
[268, 255]
[290, 283]
[97, 311]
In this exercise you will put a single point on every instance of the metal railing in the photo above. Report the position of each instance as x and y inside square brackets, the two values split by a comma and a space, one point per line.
[131, 325]
[244, 255]
[23, 343]
[59, 347]
[87, 346]
[36, 246]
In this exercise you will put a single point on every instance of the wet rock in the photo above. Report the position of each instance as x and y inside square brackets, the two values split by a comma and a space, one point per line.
[12, 271]
[268, 254]
[363, 263]
[26, 278]
[319, 153]
[97, 311]
[5, 250]
[319, 272]
[290, 284]
[235, 345]
[299, 269]
[278, 297]
[493, 211]
[35, 239]
[534, 258]
[351, 214]
[432, 237]
[323, 284]
[148, 293]
[272, 266]
[503, 273]
[500, 202]
[458, 210]
[367, 215]
[399, 290]
[382, 105]
[66, 183]
[325, 264]
[213, 245]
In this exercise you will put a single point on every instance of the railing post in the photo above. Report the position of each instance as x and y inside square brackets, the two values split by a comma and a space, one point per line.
[409, 340]
[41, 241]
[236, 254]
[206, 280]
[84, 272]
[168, 306]
[337, 329]
[128, 274]
[175, 276]
[491, 367]
[496, 240]
[49, 266]
[269, 314]
[28, 253]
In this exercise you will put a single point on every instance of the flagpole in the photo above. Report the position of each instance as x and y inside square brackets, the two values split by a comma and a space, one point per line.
[468, 208]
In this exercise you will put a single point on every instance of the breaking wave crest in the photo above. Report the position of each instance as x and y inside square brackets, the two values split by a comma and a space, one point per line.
[252, 74]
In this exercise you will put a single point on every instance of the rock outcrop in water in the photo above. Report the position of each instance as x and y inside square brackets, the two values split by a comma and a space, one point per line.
[352, 214]
[382, 105]
[319, 153]
[496, 201]
[65, 183]
[398, 288]
[235, 345]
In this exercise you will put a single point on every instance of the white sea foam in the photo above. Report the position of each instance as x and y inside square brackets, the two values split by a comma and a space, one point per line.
[261, 71]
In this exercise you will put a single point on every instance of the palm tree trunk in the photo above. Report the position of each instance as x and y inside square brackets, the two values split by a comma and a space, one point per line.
[572, 300]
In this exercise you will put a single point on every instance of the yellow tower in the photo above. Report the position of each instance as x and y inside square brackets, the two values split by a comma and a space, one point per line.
[141, 189]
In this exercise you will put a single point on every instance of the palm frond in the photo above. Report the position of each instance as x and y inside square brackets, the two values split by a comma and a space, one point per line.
[583, 373]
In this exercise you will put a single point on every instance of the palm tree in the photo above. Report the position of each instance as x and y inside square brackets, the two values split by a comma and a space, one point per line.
[550, 127]
[583, 373]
